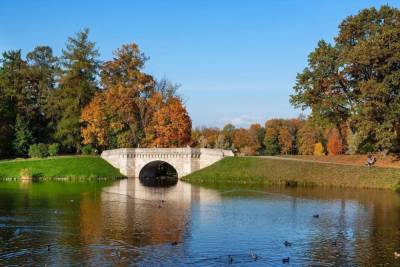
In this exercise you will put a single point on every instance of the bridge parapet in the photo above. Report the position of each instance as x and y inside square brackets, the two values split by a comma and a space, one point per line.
[185, 160]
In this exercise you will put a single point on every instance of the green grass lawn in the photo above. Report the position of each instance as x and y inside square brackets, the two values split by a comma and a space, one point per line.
[278, 171]
[60, 167]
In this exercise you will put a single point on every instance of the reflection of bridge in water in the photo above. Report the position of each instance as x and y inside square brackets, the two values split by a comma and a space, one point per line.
[134, 162]
[140, 215]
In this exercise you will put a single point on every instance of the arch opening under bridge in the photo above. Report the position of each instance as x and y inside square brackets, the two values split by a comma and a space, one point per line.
[158, 173]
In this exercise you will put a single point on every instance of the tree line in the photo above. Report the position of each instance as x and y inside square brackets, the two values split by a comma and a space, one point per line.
[276, 137]
[77, 103]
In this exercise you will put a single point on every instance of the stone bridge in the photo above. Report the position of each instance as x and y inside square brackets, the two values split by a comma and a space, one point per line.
[132, 161]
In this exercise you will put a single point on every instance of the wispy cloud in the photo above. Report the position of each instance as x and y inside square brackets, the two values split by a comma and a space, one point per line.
[242, 120]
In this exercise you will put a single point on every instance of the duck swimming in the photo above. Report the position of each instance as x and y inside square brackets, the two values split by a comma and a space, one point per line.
[287, 243]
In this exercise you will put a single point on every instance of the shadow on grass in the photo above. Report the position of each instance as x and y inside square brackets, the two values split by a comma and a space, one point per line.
[37, 176]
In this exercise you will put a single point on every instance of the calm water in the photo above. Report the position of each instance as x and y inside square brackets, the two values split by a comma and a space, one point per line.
[125, 223]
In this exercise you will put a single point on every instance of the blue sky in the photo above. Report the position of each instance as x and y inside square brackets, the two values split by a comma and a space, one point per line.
[236, 61]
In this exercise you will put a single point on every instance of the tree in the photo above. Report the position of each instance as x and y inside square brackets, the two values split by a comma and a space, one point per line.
[271, 142]
[334, 145]
[43, 74]
[285, 141]
[256, 133]
[23, 137]
[243, 142]
[77, 87]
[172, 125]
[319, 149]
[133, 110]
[355, 81]
[308, 136]
[15, 98]
[95, 126]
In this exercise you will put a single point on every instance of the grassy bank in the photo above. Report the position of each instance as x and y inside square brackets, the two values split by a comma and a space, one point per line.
[281, 171]
[389, 161]
[72, 167]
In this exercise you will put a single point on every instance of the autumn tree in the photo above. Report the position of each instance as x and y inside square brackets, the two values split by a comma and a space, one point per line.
[285, 141]
[243, 142]
[319, 149]
[308, 136]
[172, 125]
[334, 144]
[133, 109]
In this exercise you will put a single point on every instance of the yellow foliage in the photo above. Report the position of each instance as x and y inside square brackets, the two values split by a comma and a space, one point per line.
[319, 149]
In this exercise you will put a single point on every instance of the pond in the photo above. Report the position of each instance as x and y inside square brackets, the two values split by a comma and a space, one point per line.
[125, 223]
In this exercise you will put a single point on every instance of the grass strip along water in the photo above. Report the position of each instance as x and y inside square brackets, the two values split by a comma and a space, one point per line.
[253, 170]
[66, 167]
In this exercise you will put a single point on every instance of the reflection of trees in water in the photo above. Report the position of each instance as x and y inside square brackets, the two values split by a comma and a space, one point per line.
[364, 226]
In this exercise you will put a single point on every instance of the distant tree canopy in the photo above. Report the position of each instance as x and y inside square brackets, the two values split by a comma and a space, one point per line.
[354, 83]
[77, 100]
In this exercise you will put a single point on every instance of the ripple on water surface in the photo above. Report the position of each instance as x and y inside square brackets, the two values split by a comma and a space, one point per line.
[126, 223]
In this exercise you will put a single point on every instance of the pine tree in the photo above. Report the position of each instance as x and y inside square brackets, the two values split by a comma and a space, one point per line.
[77, 87]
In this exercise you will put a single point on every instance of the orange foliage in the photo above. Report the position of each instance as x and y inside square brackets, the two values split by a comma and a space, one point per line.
[130, 111]
[94, 131]
[254, 132]
[243, 141]
[285, 141]
[334, 145]
[172, 125]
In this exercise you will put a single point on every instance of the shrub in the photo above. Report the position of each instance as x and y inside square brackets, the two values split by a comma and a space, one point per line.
[319, 149]
[54, 149]
[25, 174]
[88, 150]
[38, 150]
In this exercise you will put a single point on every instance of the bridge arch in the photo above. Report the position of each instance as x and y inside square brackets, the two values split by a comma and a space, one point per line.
[158, 173]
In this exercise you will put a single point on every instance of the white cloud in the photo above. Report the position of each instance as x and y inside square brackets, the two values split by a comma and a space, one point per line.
[242, 121]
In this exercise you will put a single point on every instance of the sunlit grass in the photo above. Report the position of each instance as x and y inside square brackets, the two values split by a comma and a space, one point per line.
[60, 167]
[277, 171]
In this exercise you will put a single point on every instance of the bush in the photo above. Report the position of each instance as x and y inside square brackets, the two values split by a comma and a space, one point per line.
[319, 149]
[54, 149]
[38, 150]
[88, 150]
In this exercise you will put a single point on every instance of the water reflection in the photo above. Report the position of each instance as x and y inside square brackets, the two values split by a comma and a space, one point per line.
[126, 223]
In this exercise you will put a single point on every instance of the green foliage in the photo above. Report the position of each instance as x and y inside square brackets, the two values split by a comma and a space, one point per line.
[272, 147]
[54, 149]
[353, 142]
[38, 150]
[355, 81]
[78, 86]
[23, 137]
[88, 150]
[271, 141]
